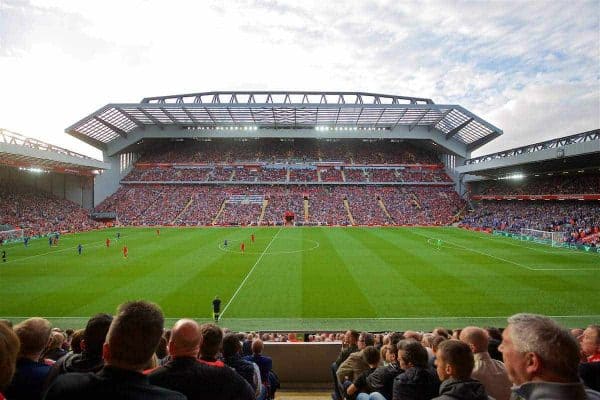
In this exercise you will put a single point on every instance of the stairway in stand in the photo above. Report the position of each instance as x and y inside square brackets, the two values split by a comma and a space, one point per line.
[416, 200]
[347, 206]
[384, 209]
[262, 212]
[189, 203]
[214, 222]
[306, 215]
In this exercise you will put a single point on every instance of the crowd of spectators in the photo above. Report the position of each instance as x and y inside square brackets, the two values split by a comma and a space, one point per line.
[579, 221]
[295, 166]
[196, 205]
[132, 356]
[299, 150]
[296, 174]
[355, 175]
[578, 183]
[39, 213]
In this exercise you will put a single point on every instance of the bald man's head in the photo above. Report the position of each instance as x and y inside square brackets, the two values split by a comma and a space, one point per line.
[185, 338]
[476, 338]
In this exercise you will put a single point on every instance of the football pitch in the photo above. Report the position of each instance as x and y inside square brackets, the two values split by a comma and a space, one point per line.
[304, 279]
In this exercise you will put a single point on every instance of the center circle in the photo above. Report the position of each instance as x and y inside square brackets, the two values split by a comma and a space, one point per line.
[229, 249]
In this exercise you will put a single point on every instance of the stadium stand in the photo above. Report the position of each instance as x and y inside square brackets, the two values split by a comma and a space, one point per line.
[39, 213]
[306, 182]
[312, 353]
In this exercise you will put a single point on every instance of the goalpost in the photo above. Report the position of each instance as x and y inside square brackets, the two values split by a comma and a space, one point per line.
[12, 235]
[555, 239]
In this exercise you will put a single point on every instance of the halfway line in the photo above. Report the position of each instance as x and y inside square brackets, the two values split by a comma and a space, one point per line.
[250, 272]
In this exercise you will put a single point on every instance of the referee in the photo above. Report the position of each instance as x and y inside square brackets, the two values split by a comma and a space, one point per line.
[216, 303]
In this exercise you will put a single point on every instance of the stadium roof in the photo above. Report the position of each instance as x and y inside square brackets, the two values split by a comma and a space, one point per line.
[23, 152]
[574, 152]
[284, 110]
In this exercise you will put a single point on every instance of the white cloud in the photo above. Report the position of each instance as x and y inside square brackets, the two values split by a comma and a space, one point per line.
[512, 63]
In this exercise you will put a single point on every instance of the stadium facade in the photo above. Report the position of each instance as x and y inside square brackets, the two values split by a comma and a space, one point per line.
[119, 128]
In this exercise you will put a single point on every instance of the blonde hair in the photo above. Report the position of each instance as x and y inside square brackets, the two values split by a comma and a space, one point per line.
[9, 349]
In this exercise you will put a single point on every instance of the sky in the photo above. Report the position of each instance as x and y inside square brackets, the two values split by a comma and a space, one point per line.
[531, 68]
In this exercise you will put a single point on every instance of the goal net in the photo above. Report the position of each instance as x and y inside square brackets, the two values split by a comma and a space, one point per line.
[12, 235]
[555, 239]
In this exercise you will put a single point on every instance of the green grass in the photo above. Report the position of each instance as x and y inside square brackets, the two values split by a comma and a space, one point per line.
[303, 278]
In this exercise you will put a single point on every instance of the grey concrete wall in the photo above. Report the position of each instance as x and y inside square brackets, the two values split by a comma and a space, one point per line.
[107, 183]
[300, 364]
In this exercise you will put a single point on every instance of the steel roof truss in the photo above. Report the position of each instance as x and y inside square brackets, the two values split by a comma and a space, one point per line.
[133, 119]
[112, 127]
[151, 117]
[411, 127]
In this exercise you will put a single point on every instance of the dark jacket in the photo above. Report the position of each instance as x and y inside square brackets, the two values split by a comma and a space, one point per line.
[265, 364]
[242, 367]
[452, 389]
[72, 362]
[590, 374]
[382, 379]
[416, 383]
[201, 381]
[28, 381]
[109, 383]
[55, 353]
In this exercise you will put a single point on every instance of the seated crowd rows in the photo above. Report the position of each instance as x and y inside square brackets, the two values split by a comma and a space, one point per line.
[204, 205]
[132, 356]
[560, 184]
[296, 174]
[39, 213]
[579, 221]
[300, 150]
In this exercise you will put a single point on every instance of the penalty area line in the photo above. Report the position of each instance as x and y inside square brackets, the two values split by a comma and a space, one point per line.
[249, 273]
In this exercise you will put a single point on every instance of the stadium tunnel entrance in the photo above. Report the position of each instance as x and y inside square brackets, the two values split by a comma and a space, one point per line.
[288, 217]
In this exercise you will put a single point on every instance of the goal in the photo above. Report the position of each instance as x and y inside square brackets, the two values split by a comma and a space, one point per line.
[12, 235]
[555, 239]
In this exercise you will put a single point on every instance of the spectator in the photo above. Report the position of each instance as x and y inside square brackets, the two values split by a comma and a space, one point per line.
[232, 349]
[381, 381]
[197, 380]
[349, 346]
[90, 359]
[590, 343]
[454, 367]
[76, 341]
[360, 387]
[491, 373]
[9, 349]
[495, 337]
[355, 365]
[211, 339]
[130, 344]
[54, 349]
[28, 381]
[265, 364]
[541, 359]
[418, 381]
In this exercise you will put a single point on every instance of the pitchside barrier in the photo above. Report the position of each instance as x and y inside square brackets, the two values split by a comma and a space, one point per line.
[547, 240]
[303, 365]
